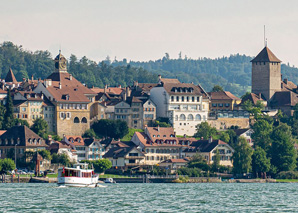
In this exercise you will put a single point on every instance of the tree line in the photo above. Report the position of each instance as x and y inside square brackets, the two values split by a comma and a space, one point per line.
[233, 73]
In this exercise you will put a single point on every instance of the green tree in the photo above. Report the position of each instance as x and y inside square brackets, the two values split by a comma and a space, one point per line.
[18, 121]
[224, 136]
[40, 127]
[100, 165]
[217, 88]
[89, 133]
[45, 154]
[110, 128]
[205, 130]
[216, 161]
[8, 116]
[261, 134]
[6, 165]
[242, 157]
[197, 161]
[2, 113]
[260, 162]
[283, 154]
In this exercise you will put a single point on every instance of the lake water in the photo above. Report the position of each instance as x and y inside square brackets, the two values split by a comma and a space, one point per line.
[199, 197]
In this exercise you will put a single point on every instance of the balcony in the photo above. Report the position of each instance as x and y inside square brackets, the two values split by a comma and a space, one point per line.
[134, 157]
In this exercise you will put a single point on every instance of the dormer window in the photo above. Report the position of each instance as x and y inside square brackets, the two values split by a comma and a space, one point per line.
[6, 141]
[154, 136]
[11, 141]
[158, 135]
[164, 136]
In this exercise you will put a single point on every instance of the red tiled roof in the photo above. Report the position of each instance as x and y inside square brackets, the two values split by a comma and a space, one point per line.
[222, 95]
[71, 88]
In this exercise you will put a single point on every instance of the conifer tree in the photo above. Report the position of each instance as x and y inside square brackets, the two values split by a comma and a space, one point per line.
[8, 116]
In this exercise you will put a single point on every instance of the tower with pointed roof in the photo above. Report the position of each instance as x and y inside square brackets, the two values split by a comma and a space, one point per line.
[60, 63]
[266, 75]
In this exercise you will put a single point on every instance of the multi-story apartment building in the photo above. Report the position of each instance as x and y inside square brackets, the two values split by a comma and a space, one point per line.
[186, 105]
[159, 144]
[72, 100]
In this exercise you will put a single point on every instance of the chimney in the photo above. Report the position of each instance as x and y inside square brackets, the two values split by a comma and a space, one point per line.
[60, 86]
[19, 124]
[119, 86]
[31, 77]
[184, 135]
[159, 77]
[105, 89]
[202, 138]
[158, 128]
[210, 139]
[70, 77]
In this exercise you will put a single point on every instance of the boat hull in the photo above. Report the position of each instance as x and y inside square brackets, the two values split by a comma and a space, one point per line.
[77, 181]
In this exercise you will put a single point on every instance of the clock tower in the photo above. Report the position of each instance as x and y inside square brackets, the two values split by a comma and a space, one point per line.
[60, 63]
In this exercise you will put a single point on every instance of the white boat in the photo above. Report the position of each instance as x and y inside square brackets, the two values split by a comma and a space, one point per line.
[109, 180]
[77, 176]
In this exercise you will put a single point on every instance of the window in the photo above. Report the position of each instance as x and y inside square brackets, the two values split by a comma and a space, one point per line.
[187, 99]
[214, 105]
[24, 109]
[190, 117]
[177, 98]
[182, 98]
[172, 98]
[227, 104]
[182, 117]
[68, 115]
[198, 99]
[220, 105]
[198, 117]
[84, 120]
[76, 120]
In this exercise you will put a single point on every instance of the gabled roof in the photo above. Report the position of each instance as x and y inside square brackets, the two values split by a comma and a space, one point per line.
[284, 98]
[10, 77]
[222, 95]
[204, 145]
[254, 98]
[24, 134]
[118, 152]
[240, 131]
[266, 56]
[74, 140]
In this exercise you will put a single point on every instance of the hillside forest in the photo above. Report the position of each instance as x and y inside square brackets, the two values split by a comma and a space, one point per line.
[233, 73]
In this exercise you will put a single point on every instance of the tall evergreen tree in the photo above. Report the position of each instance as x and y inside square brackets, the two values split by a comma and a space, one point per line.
[8, 116]
[283, 153]
[242, 157]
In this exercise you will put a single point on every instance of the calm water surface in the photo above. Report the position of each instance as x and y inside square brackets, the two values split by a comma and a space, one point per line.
[215, 197]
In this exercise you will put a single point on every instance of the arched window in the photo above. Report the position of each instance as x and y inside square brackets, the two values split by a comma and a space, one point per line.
[84, 120]
[76, 120]
[182, 117]
[198, 117]
[190, 117]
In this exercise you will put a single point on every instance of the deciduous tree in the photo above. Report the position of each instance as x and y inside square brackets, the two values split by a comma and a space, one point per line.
[242, 157]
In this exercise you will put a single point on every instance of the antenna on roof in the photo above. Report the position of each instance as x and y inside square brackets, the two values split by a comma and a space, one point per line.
[60, 49]
[265, 39]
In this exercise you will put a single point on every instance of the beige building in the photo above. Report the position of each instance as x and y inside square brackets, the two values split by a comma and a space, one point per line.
[208, 149]
[223, 100]
[159, 144]
[72, 100]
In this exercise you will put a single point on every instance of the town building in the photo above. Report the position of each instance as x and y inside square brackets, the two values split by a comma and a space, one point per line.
[72, 100]
[208, 149]
[185, 105]
[223, 101]
[159, 144]
[20, 139]
[246, 133]
[125, 157]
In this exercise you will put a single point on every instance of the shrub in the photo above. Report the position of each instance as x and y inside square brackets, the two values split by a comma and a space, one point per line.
[287, 175]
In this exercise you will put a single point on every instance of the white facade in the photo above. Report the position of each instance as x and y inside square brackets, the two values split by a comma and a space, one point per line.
[183, 111]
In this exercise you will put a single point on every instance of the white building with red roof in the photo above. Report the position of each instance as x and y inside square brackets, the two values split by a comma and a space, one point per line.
[185, 104]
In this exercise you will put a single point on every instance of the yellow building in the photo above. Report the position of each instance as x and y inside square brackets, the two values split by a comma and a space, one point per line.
[223, 100]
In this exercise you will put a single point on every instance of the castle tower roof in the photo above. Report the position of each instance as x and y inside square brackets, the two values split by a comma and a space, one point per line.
[10, 77]
[266, 56]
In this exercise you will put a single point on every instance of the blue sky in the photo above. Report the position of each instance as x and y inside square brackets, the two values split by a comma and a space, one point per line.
[146, 30]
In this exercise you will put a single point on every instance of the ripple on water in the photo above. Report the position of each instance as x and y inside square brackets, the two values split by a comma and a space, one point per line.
[199, 197]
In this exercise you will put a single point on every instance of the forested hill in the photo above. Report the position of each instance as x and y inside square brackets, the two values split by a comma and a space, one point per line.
[233, 73]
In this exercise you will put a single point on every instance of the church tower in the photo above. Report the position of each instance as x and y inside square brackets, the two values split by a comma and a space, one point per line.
[60, 63]
[266, 75]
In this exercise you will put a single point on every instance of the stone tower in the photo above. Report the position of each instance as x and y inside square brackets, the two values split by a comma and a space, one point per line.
[266, 75]
[60, 63]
